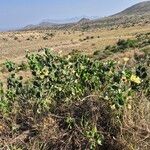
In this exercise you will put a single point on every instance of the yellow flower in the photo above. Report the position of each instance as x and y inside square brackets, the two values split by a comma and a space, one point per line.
[110, 72]
[42, 76]
[126, 59]
[129, 106]
[45, 71]
[135, 79]
[69, 57]
[124, 79]
[113, 107]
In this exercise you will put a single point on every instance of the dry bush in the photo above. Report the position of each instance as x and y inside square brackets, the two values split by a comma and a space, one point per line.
[136, 123]
[54, 132]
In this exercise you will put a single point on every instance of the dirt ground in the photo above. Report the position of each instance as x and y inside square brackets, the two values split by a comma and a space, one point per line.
[14, 44]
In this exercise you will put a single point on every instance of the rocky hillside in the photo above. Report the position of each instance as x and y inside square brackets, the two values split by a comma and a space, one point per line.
[138, 9]
[138, 14]
[134, 15]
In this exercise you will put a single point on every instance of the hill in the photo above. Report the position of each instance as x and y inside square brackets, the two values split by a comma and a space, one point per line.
[138, 9]
[134, 15]
[138, 14]
[60, 23]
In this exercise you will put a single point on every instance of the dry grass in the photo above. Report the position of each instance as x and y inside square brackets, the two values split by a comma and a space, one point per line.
[136, 124]
[14, 44]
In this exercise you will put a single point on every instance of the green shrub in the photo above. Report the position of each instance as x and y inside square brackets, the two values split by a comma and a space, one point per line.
[10, 66]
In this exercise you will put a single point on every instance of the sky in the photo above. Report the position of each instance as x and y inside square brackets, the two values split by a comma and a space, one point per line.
[19, 13]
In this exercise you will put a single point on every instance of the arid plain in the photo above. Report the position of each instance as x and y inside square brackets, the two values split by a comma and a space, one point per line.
[14, 44]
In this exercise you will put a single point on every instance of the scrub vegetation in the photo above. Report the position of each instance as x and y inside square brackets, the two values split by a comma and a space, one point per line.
[78, 101]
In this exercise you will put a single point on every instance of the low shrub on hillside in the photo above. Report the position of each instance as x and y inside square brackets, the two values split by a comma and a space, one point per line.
[122, 45]
[140, 41]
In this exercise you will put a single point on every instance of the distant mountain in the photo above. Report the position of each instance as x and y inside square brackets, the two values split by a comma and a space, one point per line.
[46, 24]
[40, 25]
[136, 14]
[84, 20]
[70, 20]
[52, 22]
